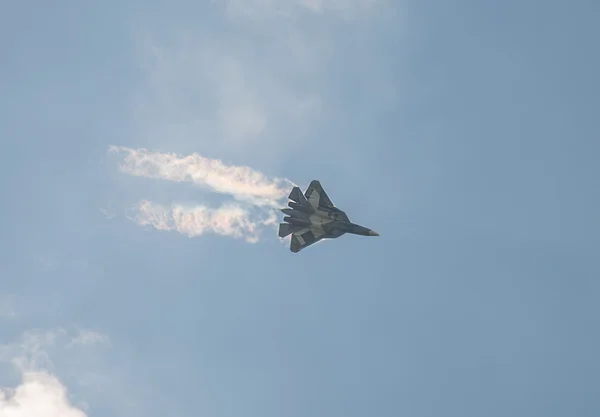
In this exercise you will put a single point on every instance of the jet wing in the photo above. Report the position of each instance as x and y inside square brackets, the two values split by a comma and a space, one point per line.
[304, 238]
[316, 196]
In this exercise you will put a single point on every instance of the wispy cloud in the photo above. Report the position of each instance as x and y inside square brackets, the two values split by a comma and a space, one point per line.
[283, 8]
[227, 220]
[225, 91]
[241, 182]
[107, 212]
[31, 352]
[85, 337]
[261, 103]
[7, 307]
[239, 101]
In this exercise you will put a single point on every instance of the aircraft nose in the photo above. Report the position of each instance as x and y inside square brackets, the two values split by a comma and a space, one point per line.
[373, 233]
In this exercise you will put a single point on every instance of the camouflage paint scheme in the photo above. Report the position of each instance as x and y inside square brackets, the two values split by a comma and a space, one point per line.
[312, 216]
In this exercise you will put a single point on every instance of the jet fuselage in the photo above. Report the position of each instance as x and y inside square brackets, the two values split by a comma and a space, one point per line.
[312, 216]
[331, 220]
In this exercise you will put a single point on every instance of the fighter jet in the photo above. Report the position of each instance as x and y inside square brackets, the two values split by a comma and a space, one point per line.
[312, 216]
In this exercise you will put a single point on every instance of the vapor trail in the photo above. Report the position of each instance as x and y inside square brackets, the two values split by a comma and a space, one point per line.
[228, 220]
[241, 182]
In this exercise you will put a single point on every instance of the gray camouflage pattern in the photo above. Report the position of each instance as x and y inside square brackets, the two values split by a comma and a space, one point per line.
[312, 216]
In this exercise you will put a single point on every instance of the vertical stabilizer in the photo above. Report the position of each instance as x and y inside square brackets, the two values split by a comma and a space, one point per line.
[297, 196]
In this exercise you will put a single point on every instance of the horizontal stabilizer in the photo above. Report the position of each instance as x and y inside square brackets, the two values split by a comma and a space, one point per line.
[287, 229]
[297, 196]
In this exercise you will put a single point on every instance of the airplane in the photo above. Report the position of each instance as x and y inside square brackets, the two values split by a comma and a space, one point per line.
[312, 216]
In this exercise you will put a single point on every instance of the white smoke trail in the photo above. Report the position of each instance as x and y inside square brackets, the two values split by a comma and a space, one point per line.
[241, 182]
[227, 220]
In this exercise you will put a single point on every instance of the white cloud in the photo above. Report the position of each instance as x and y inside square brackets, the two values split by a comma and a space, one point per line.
[228, 220]
[39, 393]
[241, 182]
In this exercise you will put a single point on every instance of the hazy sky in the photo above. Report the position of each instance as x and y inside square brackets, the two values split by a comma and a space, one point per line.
[146, 146]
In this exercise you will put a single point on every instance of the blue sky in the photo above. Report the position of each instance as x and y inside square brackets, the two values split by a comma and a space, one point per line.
[465, 133]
